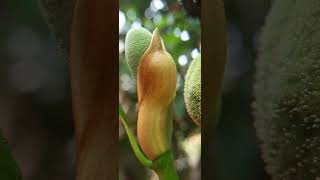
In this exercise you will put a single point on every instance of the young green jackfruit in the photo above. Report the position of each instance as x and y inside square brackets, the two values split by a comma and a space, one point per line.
[156, 84]
[136, 43]
[287, 91]
[192, 90]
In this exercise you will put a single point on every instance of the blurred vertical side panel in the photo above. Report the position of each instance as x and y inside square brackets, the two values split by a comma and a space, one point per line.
[213, 57]
[94, 82]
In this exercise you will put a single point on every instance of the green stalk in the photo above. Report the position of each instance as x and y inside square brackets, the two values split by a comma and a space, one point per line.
[136, 149]
[164, 167]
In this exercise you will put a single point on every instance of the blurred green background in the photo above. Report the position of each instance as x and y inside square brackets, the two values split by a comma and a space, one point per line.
[35, 107]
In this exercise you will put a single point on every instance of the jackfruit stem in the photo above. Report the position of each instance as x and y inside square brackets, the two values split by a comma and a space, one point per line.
[164, 167]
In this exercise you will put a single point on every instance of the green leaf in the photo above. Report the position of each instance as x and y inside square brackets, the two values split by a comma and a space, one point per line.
[8, 167]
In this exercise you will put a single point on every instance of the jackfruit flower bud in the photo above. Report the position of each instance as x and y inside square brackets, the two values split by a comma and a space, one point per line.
[156, 84]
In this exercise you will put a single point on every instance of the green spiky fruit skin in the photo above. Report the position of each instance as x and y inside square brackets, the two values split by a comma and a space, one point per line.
[192, 90]
[136, 43]
[58, 15]
[287, 91]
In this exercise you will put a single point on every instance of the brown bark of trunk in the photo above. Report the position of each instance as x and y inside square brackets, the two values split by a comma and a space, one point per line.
[94, 83]
[213, 57]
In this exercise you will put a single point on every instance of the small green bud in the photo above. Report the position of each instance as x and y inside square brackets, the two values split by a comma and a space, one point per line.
[136, 43]
[192, 90]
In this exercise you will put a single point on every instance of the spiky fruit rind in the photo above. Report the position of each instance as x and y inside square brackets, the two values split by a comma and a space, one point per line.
[192, 90]
[287, 91]
[136, 43]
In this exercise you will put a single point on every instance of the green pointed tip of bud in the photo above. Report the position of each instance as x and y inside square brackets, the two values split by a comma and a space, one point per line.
[192, 90]
[136, 43]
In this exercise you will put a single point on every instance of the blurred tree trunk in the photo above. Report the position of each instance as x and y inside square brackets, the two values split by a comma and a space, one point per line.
[94, 81]
[213, 57]
[248, 15]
